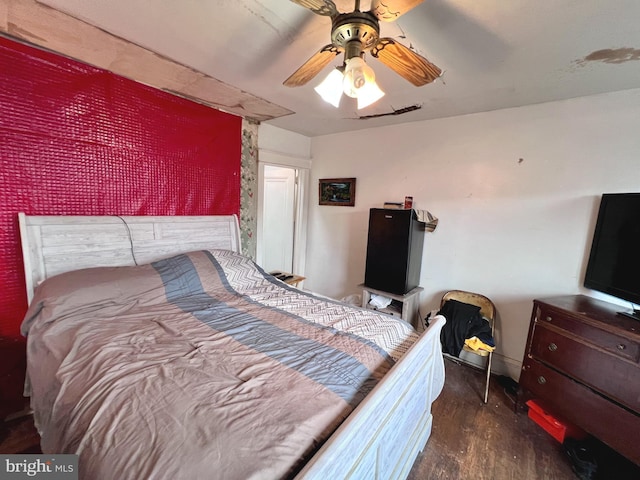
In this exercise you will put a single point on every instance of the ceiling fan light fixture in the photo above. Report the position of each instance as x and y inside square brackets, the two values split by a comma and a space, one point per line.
[331, 87]
[358, 81]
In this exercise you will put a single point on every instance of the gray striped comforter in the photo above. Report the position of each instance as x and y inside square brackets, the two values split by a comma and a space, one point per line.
[197, 366]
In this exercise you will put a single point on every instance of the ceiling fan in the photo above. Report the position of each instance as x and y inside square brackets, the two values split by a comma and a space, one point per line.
[356, 33]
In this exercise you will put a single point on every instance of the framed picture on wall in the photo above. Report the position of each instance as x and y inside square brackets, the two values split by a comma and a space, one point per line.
[340, 192]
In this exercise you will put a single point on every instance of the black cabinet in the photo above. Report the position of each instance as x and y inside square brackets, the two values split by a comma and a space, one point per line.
[394, 250]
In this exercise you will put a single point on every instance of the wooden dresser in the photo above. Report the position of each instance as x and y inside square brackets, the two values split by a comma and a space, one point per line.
[582, 360]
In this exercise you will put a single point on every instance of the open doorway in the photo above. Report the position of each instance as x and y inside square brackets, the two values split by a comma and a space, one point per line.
[281, 221]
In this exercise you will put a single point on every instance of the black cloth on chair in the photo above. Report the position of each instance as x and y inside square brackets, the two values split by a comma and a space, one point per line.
[463, 321]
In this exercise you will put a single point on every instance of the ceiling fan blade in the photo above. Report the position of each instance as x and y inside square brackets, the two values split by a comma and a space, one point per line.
[319, 7]
[405, 62]
[312, 67]
[390, 10]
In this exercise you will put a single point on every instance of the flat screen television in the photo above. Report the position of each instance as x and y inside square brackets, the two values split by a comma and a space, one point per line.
[614, 261]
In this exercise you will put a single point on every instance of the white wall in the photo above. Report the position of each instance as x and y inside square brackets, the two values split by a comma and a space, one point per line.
[516, 193]
[277, 140]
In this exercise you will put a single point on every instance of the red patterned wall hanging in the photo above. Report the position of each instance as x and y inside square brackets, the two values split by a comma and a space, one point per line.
[75, 139]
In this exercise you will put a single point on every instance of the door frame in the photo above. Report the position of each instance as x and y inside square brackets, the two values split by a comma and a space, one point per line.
[303, 167]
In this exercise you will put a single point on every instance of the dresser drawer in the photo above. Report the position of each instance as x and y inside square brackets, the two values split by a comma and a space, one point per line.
[586, 363]
[615, 344]
[611, 423]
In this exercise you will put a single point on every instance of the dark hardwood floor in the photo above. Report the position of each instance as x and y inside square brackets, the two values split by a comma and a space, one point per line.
[469, 440]
[19, 436]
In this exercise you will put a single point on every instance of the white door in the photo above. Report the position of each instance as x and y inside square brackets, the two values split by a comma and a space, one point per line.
[278, 218]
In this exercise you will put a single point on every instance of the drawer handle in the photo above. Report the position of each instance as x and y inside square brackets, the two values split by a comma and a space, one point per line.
[542, 380]
[548, 318]
[621, 346]
[553, 347]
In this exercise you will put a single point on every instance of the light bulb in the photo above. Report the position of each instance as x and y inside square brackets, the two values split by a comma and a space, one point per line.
[360, 82]
[356, 75]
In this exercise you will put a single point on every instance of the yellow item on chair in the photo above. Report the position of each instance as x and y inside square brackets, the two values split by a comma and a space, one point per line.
[475, 344]
[488, 311]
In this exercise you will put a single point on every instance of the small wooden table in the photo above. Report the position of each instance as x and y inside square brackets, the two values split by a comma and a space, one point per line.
[288, 278]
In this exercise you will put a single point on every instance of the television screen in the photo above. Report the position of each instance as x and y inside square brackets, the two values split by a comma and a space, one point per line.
[614, 261]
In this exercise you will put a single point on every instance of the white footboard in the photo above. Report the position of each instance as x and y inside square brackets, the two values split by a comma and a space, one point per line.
[383, 436]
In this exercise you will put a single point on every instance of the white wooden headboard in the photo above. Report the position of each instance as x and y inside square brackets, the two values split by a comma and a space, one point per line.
[56, 244]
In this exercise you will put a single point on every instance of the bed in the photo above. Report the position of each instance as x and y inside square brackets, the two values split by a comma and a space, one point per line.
[156, 350]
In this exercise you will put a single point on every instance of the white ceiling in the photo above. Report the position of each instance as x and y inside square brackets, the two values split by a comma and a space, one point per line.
[494, 53]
